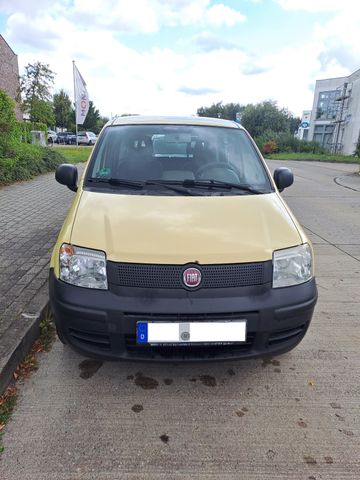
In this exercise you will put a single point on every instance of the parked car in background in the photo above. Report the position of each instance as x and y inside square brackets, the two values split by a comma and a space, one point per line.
[67, 138]
[52, 136]
[86, 138]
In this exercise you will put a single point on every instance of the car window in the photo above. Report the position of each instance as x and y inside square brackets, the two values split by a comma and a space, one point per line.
[178, 152]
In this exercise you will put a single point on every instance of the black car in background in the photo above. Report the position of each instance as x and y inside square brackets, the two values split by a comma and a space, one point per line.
[66, 138]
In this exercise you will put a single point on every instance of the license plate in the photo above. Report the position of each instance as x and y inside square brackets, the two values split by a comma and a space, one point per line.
[191, 332]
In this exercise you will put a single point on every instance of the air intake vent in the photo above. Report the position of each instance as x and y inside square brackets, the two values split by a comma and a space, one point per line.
[285, 335]
[92, 339]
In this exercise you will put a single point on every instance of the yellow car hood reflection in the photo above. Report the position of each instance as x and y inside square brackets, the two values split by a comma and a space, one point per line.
[182, 229]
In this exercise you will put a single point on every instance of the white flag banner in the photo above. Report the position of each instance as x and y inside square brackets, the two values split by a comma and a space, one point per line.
[81, 97]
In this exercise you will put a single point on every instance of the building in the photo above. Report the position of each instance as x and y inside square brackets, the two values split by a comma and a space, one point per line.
[335, 117]
[303, 130]
[9, 73]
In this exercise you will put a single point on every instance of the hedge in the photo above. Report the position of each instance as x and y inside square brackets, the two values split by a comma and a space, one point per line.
[25, 161]
[24, 130]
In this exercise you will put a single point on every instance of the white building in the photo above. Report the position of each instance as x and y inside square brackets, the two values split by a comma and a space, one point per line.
[335, 117]
[303, 130]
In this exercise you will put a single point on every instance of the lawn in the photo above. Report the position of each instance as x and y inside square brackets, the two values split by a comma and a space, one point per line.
[319, 157]
[74, 154]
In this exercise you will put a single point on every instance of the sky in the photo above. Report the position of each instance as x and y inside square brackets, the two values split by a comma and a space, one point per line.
[170, 57]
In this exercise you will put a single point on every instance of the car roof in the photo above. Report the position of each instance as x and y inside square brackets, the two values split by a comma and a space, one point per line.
[158, 120]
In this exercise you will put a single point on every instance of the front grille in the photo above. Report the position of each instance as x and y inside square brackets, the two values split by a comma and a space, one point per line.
[190, 317]
[170, 276]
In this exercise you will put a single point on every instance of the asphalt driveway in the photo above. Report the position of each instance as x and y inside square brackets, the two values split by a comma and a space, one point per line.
[296, 416]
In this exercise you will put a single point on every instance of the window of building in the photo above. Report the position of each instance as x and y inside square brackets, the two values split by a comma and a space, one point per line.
[324, 134]
[327, 105]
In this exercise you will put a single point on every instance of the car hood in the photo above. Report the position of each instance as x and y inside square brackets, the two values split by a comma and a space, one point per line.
[178, 229]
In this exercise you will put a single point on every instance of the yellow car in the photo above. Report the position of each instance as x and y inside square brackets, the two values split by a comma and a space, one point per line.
[178, 246]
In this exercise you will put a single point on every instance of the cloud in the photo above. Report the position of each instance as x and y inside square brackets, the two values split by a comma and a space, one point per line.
[41, 31]
[319, 5]
[148, 16]
[340, 39]
[220, 14]
[197, 91]
[208, 42]
[253, 69]
[24, 6]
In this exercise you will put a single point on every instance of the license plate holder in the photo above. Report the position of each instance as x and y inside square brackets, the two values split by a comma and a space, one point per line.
[175, 333]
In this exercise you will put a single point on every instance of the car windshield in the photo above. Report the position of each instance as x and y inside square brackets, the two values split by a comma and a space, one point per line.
[178, 153]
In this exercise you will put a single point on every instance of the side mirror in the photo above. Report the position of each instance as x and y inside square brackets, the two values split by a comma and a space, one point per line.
[67, 174]
[283, 178]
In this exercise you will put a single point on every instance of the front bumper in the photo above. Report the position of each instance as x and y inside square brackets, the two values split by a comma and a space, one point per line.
[102, 323]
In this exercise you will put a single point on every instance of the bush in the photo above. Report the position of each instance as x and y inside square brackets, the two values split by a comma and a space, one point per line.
[24, 130]
[270, 147]
[8, 123]
[21, 161]
[26, 161]
[286, 143]
[357, 149]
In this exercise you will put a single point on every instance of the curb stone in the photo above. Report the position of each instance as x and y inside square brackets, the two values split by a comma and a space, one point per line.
[20, 337]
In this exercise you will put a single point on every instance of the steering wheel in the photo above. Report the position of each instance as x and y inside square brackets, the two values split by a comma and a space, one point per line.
[227, 166]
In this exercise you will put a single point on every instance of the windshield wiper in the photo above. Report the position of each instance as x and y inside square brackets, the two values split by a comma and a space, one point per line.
[118, 181]
[219, 183]
[172, 187]
[142, 184]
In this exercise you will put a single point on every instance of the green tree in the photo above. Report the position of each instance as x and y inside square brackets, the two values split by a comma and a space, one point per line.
[93, 121]
[63, 110]
[43, 112]
[294, 124]
[220, 110]
[265, 117]
[35, 86]
[92, 117]
[8, 124]
[101, 123]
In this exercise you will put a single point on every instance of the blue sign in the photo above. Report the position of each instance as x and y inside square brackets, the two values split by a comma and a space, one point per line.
[304, 124]
[142, 332]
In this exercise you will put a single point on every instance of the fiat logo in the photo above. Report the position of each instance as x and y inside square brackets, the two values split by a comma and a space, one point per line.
[192, 277]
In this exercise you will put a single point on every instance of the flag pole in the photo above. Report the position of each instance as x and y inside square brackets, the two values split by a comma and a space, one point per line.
[76, 128]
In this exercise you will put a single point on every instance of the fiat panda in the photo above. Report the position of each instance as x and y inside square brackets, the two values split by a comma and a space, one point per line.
[179, 246]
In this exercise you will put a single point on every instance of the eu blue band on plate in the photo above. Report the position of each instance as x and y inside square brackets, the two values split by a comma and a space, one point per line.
[142, 332]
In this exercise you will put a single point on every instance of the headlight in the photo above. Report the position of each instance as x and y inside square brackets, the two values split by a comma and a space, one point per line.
[83, 267]
[292, 266]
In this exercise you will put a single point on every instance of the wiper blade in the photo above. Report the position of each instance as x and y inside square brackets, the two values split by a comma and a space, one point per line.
[169, 186]
[219, 183]
[117, 181]
[141, 184]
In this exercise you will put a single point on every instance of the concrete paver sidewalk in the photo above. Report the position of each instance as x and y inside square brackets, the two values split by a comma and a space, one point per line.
[31, 214]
